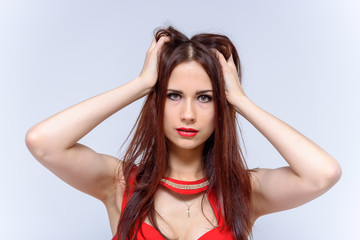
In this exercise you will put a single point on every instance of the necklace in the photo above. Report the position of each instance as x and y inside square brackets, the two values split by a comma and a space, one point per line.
[187, 205]
[185, 187]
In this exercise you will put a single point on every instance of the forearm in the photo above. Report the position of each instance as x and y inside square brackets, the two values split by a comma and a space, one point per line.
[306, 159]
[64, 129]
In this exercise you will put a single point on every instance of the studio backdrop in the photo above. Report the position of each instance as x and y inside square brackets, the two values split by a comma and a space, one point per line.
[300, 62]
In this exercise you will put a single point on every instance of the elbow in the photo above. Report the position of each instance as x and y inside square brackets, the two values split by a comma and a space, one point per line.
[334, 173]
[330, 176]
[34, 142]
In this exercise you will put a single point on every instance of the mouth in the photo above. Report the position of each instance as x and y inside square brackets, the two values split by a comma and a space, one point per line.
[187, 132]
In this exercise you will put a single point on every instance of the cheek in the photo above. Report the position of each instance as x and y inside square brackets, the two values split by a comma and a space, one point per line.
[208, 118]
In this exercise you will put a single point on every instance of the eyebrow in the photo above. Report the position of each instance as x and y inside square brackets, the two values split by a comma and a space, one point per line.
[197, 92]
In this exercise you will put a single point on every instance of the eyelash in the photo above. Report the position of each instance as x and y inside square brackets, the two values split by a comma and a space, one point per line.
[208, 98]
[172, 96]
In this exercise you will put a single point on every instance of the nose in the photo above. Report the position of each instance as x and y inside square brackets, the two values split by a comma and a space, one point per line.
[188, 114]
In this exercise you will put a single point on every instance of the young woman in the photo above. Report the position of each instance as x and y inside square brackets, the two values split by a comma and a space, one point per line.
[183, 175]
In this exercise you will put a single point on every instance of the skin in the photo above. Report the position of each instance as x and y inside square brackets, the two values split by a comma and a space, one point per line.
[188, 105]
[311, 171]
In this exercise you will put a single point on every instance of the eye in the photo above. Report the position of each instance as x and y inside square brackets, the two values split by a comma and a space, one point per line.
[204, 98]
[174, 96]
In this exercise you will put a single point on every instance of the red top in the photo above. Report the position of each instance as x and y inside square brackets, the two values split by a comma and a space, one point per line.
[151, 233]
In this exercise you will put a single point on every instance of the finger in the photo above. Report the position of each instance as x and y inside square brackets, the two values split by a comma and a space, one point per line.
[161, 43]
[154, 46]
[231, 61]
[162, 40]
[220, 57]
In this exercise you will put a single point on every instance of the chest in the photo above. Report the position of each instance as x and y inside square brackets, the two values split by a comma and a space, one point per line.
[178, 217]
[183, 217]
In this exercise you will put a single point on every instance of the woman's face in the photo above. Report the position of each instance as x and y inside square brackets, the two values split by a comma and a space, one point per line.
[189, 108]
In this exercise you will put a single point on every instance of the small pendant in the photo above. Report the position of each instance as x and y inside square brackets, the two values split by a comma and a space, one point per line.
[188, 212]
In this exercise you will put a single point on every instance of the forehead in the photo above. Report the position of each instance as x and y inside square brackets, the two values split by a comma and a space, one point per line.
[189, 74]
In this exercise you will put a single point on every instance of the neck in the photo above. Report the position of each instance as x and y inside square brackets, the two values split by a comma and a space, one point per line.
[185, 164]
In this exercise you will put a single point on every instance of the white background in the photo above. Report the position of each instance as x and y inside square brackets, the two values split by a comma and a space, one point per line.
[300, 61]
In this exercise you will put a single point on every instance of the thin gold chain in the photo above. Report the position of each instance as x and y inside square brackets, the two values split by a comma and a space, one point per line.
[187, 205]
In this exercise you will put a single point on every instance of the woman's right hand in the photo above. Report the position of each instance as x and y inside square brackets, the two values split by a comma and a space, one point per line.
[149, 72]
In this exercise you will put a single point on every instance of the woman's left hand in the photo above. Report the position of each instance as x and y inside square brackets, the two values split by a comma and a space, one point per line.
[233, 88]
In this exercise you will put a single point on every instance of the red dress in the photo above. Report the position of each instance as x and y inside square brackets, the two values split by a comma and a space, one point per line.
[151, 233]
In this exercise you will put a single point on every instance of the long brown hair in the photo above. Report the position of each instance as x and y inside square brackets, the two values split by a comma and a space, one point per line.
[223, 162]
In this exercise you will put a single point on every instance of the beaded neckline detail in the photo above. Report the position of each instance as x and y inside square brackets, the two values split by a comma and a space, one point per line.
[185, 187]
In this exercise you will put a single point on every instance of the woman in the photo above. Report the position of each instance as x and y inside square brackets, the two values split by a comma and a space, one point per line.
[183, 175]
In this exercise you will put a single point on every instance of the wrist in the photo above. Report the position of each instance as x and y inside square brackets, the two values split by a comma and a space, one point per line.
[239, 102]
[142, 85]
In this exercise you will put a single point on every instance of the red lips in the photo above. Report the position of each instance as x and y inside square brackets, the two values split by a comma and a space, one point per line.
[187, 132]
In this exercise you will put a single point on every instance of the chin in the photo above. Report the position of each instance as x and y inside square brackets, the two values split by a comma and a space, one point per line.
[186, 145]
